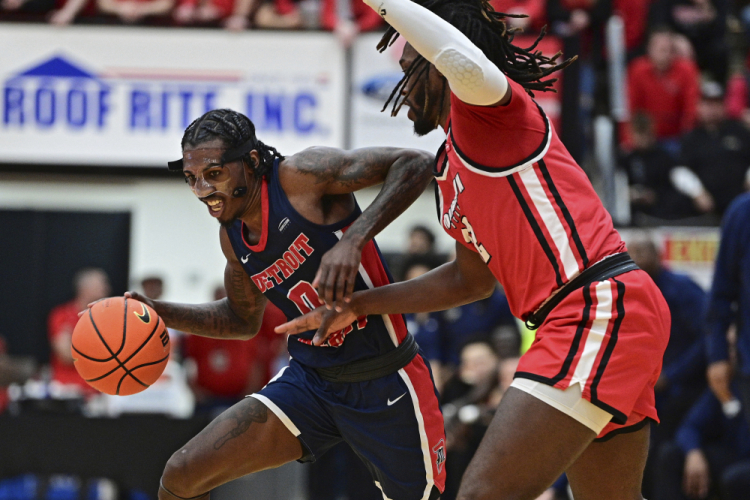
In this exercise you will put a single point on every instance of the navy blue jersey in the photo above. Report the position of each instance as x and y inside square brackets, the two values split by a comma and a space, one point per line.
[283, 266]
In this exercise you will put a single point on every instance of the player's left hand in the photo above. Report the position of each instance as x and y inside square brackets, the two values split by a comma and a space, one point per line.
[338, 273]
[325, 321]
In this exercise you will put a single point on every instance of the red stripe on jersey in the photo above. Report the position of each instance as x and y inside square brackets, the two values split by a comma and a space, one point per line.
[375, 269]
[261, 245]
[432, 418]
[574, 240]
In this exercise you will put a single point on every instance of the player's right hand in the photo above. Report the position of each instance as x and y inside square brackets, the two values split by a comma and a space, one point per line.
[140, 298]
[323, 320]
[128, 295]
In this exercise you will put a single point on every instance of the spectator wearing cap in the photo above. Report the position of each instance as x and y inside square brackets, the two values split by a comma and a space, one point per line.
[648, 164]
[664, 86]
[715, 159]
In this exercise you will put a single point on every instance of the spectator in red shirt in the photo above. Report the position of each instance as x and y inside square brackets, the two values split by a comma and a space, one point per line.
[90, 285]
[228, 370]
[665, 87]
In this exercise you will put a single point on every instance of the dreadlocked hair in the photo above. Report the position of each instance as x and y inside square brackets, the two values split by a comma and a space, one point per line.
[233, 129]
[486, 28]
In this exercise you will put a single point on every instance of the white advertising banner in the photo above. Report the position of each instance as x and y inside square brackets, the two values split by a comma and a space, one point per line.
[119, 96]
[374, 75]
[689, 250]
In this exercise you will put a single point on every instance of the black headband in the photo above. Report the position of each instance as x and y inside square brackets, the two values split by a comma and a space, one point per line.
[229, 155]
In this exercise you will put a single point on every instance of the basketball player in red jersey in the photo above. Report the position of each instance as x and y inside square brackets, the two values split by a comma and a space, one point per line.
[524, 214]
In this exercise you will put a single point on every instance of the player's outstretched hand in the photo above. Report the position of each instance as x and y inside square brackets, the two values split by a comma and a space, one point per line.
[89, 306]
[323, 320]
[337, 274]
[140, 298]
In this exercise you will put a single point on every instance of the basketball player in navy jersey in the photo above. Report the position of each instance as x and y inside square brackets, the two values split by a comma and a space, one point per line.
[367, 384]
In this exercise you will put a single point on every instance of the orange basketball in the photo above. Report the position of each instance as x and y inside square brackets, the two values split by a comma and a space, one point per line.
[120, 346]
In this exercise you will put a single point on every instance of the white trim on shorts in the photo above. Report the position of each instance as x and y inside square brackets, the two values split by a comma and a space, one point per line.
[568, 401]
[277, 411]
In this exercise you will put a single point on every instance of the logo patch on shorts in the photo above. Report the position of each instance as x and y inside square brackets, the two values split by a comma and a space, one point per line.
[439, 451]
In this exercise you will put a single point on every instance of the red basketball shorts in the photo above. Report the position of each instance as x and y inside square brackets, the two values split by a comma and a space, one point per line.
[610, 338]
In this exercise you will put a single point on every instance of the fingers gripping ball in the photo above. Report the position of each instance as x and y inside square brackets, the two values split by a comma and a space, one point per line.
[120, 346]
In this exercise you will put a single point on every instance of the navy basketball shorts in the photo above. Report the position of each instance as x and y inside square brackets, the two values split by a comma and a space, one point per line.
[393, 423]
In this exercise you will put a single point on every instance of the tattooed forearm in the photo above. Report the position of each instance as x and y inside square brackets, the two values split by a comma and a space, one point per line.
[237, 317]
[244, 296]
[214, 319]
[242, 416]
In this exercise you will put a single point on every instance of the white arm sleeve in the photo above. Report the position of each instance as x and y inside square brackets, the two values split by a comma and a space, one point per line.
[472, 77]
[686, 182]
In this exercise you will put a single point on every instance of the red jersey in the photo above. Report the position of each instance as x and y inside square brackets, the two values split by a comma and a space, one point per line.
[510, 191]
[671, 98]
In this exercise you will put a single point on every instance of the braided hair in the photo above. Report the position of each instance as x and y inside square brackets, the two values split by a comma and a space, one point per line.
[234, 129]
[486, 28]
